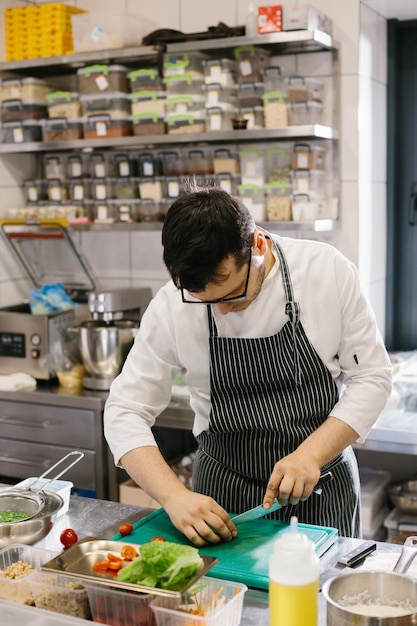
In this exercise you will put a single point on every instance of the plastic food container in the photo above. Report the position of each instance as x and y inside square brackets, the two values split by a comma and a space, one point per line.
[223, 599]
[172, 163]
[124, 164]
[23, 89]
[79, 189]
[301, 113]
[100, 78]
[220, 71]
[151, 210]
[149, 164]
[219, 119]
[23, 110]
[96, 126]
[54, 167]
[219, 96]
[115, 104]
[305, 208]
[152, 188]
[198, 161]
[111, 606]
[252, 166]
[307, 156]
[229, 183]
[253, 115]
[125, 188]
[184, 63]
[34, 190]
[305, 181]
[149, 124]
[64, 104]
[250, 94]
[225, 161]
[56, 189]
[275, 110]
[60, 593]
[184, 85]
[273, 79]
[102, 188]
[104, 212]
[174, 186]
[278, 201]
[185, 104]
[301, 89]
[18, 589]
[99, 166]
[186, 123]
[75, 166]
[147, 101]
[127, 210]
[253, 197]
[21, 132]
[145, 78]
[250, 62]
[62, 129]
[277, 163]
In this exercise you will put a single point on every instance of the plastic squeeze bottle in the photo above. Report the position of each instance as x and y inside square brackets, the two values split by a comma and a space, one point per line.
[293, 580]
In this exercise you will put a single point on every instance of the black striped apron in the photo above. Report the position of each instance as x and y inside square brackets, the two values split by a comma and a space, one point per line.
[267, 395]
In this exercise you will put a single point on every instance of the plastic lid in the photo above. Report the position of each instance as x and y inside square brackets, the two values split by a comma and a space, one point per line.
[293, 548]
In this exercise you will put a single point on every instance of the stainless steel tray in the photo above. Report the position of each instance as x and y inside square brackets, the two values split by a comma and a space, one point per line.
[78, 562]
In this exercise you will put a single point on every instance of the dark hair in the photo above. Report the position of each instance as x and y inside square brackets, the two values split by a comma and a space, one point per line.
[201, 228]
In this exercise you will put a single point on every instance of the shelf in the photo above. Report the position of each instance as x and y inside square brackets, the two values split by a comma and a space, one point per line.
[288, 42]
[313, 131]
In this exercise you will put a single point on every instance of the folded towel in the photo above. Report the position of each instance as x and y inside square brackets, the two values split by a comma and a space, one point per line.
[14, 382]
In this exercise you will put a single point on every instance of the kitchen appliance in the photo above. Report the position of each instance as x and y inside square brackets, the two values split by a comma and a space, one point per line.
[106, 339]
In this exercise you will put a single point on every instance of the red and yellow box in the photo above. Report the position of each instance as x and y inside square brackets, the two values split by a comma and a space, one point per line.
[270, 19]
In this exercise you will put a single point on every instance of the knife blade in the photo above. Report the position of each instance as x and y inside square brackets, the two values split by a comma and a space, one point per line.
[260, 511]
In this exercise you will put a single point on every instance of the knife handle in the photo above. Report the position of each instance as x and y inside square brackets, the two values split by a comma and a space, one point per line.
[324, 478]
[357, 555]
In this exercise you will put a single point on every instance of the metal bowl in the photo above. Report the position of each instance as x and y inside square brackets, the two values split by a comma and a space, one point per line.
[404, 496]
[104, 347]
[34, 529]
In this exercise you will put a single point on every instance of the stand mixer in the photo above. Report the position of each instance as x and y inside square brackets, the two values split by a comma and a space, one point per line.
[106, 339]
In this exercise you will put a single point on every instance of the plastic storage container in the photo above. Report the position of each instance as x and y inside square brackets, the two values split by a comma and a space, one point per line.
[303, 89]
[149, 124]
[308, 156]
[113, 103]
[301, 113]
[152, 188]
[99, 166]
[18, 589]
[250, 62]
[102, 188]
[79, 189]
[198, 161]
[104, 212]
[61, 594]
[229, 183]
[305, 207]
[225, 610]
[252, 167]
[220, 71]
[273, 80]
[102, 78]
[111, 606]
[127, 210]
[225, 161]
[125, 188]
[64, 104]
[75, 166]
[149, 164]
[219, 96]
[124, 164]
[373, 494]
[253, 115]
[56, 189]
[21, 132]
[172, 163]
[62, 129]
[399, 526]
[23, 110]
[54, 167]
[186, 123]
[147, 101]
[277, 163]
[184, 85]
[278, 201]
[184, 63]
[219, 119]
[185, 104]
[23, 89]
[250, 94]
[145, 78]
[254, 199]
[151, 210]
[305, 181]
[174, 186]
[275, 110]
[96, 126]
[34, 190]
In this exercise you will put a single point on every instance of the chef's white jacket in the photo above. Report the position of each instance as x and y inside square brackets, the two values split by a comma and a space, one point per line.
[174, 337]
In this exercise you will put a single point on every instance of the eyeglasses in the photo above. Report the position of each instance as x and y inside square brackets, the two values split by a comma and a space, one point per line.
[242, 296]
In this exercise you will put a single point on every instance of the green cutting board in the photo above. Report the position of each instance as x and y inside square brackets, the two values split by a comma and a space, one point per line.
[245, 559]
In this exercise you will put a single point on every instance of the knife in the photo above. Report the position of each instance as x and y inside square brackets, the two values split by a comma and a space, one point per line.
[351, 559]
[260, 511]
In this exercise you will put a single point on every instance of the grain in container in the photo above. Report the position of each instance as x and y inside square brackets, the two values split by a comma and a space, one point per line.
[153, 188]
[250, 94]
[253, 196]
[304, 89]
[150, 210]
[60, 593]
[225, 161]
[278, 201]
[220, 71]
[56, 189]
[147, 101]
[17, 589]
[277, 163]
[102, 188]
[186, 123]
[113, 103]
[275, 110]
[228, 182]
[250, 63]
[14, 110]
[102, 78]
[148, 124]
[252, 166]
[102, 126]
[145, 78]
[308, 156]
[23, 89]
[198, 161]
[184, 63]
[172, 162]
[149, 164]
[62, 129]
[253, 115]
[54, 167]
[34, 190]
[219, 119]
[220, 96]
[305, 113]
[126, 188]
[64, 104]
[79, 189]
[21, 131]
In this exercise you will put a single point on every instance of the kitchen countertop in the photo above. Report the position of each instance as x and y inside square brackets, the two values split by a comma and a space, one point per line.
[99, 518]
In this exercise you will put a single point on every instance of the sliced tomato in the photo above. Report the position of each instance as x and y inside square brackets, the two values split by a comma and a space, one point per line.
[114, 565]
[125, 529]
[158, 539]
[101, 566]
[128, 553]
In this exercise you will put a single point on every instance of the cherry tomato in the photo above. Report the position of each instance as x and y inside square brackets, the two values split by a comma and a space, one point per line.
[101, 566]
[115, 565]
[158, 539]
[128, 553]
[125, 529]
[68, 537]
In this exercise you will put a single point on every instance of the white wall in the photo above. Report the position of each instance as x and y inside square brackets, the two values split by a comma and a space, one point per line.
[360, 34]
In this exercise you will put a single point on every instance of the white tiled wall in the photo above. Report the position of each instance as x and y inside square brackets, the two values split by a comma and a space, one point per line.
[136, 258]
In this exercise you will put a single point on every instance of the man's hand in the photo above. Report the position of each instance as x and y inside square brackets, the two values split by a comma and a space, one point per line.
[293, 479]
[199, 518]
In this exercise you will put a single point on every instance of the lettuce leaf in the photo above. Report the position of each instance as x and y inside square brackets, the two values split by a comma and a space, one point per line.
[162, 564]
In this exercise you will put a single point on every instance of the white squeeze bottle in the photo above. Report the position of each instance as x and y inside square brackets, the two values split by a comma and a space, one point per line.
[293, 580]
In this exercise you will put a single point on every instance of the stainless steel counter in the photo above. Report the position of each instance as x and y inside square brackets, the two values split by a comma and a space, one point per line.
[98, 518]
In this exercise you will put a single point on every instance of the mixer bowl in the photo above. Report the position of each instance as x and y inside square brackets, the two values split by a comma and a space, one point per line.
[104, 347]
